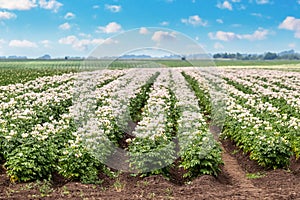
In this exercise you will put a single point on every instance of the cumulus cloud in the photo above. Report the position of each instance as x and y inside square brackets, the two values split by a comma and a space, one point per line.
[68, 40]
[112, 27]
[113, 8]
[224, 36]
[262, 1]
[292, 45]
[218, 45]
[259, 15]
[17, 4]
[143, 31]
[46, 43]
[225, 5]
[259, 34]
[50, 5]
[7, 15]
[22, 44]
[160, 36]
[85, 35]
[194, 20]
[65, 26]
[220, 21]
[104, 41]
[164, 23]
[291, 24]
[69, 16]
[242, 7]
[77, 44]
[2, 42]
[83, 44]
[29, 4]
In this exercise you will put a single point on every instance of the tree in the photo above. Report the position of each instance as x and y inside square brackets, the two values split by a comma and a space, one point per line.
[218, 55]
[239, 56]
[270, 56]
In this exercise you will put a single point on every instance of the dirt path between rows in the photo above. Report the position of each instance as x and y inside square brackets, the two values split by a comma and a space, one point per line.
[234, 173]
[238, 176]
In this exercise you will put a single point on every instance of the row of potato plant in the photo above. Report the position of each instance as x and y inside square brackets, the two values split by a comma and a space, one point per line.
[253, 134]
[100, 130]
[35, 128]
[266, 103]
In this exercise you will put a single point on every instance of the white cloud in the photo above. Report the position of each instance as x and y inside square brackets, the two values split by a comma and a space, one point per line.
[77, 44]
[70, 15]
[85, 35]
[225, 5]
[2, 42]
[46, 43]
[113, 8]
[292, 24]
[164, 23]
[242, 7]
[17, 4]
[7, 15]
[298, 1]
[50, 5]
[220, 21]
[259, 15]
[29, 4]
[22, 44]
[83, 44]
[292, 45]
[68, 40]
[218, 45]
[112, 27]
[143, 31]
[262, 1]
[259, 34]
[105, 41]
[160, 36]
[194, 20]
[256, 14]
[224, 36]
[236, 1]
[65, 26]
[96, 7]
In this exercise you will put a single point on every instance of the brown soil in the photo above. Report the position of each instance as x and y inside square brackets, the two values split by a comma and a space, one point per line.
[127, 134]
[232, 183]
[176, 173]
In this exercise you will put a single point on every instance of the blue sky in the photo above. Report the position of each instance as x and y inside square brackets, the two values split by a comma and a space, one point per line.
[75, 27]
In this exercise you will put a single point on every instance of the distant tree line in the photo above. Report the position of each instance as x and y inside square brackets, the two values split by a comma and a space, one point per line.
[266, 56]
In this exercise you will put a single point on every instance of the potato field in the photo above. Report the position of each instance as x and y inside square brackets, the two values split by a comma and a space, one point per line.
[157, 124]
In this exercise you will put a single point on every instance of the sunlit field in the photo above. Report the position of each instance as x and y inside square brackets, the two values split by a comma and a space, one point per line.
[168, 106]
